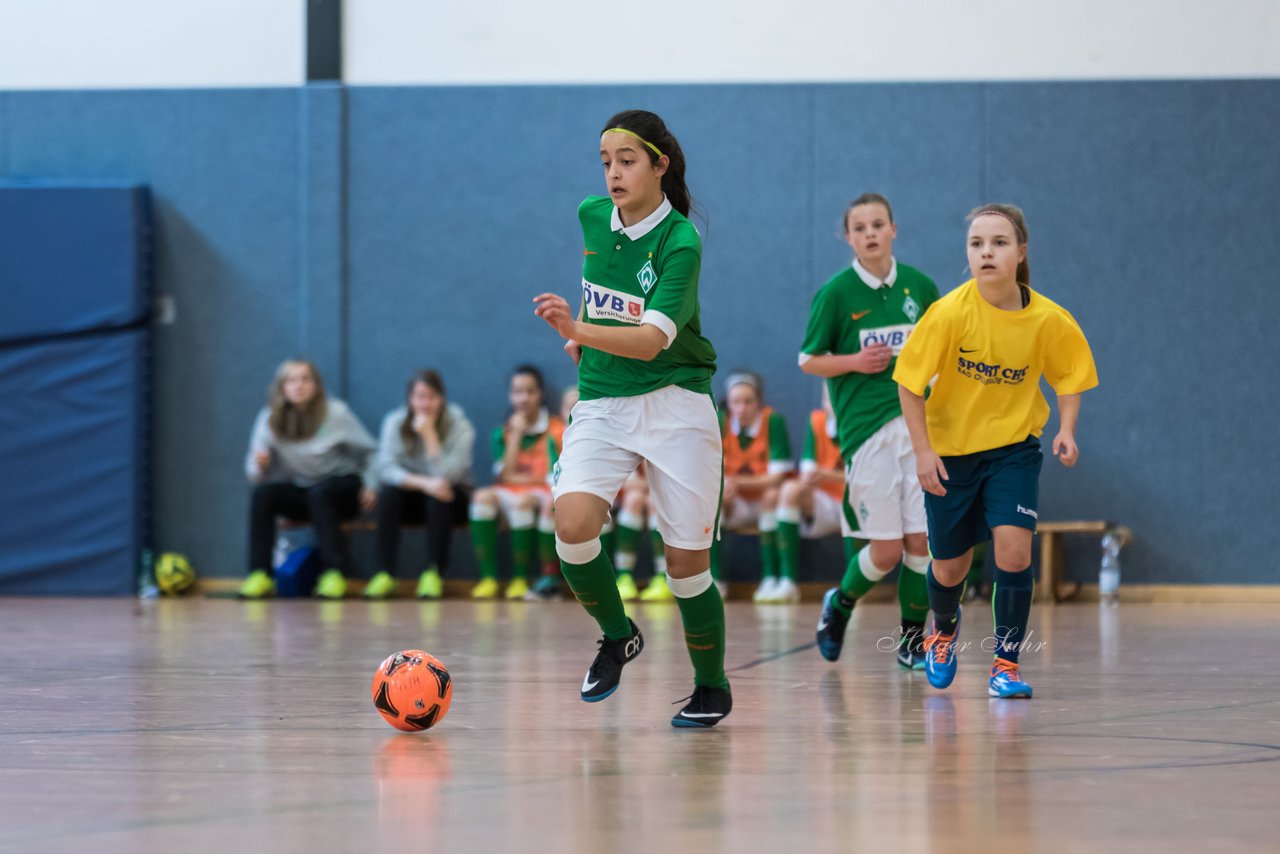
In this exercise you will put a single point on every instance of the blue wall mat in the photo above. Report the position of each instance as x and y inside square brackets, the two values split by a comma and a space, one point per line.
[223, 167]
[72, 447]
[1151, 206]
[50, 237]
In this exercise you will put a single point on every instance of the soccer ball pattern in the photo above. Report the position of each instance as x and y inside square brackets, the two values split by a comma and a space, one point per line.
[412, 690]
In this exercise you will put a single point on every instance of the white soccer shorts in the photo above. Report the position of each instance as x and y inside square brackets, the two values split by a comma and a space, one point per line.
[884, 491]
[677, 433]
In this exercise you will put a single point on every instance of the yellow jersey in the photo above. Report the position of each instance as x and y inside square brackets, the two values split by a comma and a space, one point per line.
[988, 363]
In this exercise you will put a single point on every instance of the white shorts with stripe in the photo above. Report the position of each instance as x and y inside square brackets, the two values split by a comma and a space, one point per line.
[676, 432]
[884, 491]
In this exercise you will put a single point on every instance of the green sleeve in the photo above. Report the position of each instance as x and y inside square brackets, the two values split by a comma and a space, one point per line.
[499, 444]
[819, 337]
[810, 445]
[676, 294]
[779, 444]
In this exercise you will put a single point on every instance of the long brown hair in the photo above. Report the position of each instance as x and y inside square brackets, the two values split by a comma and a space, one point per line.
[291, 422]
[1013, 213]
[432, 380]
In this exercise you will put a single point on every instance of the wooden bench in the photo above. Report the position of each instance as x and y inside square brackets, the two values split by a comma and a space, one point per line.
[1051, 586]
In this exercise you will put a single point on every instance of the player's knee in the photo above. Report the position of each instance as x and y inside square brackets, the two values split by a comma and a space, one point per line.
[886, 553]
[484, 506]
[1013, 558]
[789, 494]
[769, 499]
[576, 527]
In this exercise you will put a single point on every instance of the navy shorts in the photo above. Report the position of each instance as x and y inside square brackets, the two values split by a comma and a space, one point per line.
[996, 487]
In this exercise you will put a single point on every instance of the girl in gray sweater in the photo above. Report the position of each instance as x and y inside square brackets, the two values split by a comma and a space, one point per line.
[424, 474]
[310, 460]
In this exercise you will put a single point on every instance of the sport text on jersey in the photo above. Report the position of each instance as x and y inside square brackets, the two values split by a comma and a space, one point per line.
[987, 373]
[891, 336]
[607, 304]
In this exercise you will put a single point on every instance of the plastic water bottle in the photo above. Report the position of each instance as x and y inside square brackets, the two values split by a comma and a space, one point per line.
[1109, 574]
[147, 576]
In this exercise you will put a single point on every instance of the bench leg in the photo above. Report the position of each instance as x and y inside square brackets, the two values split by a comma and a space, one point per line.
[1050, 562]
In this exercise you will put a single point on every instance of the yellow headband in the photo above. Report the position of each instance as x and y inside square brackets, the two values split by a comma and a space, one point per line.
[652, 147]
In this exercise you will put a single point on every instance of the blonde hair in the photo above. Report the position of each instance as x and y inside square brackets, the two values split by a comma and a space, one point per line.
[290, 422]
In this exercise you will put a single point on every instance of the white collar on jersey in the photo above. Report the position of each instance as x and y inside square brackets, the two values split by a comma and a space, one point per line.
[541, 425]
[644, 226]
[752, 431]
[871, 281]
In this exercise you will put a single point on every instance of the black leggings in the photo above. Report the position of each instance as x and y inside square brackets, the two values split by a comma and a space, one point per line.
[398, 506]
[326, 506]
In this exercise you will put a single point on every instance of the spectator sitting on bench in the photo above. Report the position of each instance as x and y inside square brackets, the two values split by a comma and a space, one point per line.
[310, 460]
[811, 506]
[521, 494]
[757, 457]
[424, 474]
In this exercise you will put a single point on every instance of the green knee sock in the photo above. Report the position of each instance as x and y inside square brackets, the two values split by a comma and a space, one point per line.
[626, 544]
[597, 589]
[523, 543]
[608, 537]
[788, 548]
[484, 540]
[703, 618]
[547, 551]
[769, 554]
[913, 595]
[852, 545]
[857, 581]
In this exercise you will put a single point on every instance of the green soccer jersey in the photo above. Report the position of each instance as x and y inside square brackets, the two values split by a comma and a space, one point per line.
[643, 273]
[849, 314]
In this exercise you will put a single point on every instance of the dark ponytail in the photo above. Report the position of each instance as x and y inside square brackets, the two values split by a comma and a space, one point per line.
[650, 128]
[1013, 213]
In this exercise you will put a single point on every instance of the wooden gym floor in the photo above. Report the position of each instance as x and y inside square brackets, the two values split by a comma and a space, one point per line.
[202, 725]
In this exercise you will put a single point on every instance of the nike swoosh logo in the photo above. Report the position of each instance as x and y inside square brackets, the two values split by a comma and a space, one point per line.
[589, 252]
[701, 714]
[587, 686]
[963, 350]
[858, 315]
[822, 624]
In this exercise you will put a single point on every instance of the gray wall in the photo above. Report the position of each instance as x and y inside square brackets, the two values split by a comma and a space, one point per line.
[378, 230]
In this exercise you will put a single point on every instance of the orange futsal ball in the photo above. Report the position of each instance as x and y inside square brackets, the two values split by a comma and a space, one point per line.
[412, 690]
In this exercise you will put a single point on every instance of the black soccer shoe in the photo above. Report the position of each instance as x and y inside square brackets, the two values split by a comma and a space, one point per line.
[706, 708]
[606, 671]
[831, 626]
[911, 650]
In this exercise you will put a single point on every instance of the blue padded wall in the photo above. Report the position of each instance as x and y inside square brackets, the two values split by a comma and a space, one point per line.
[46, 249]
[74, 450]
